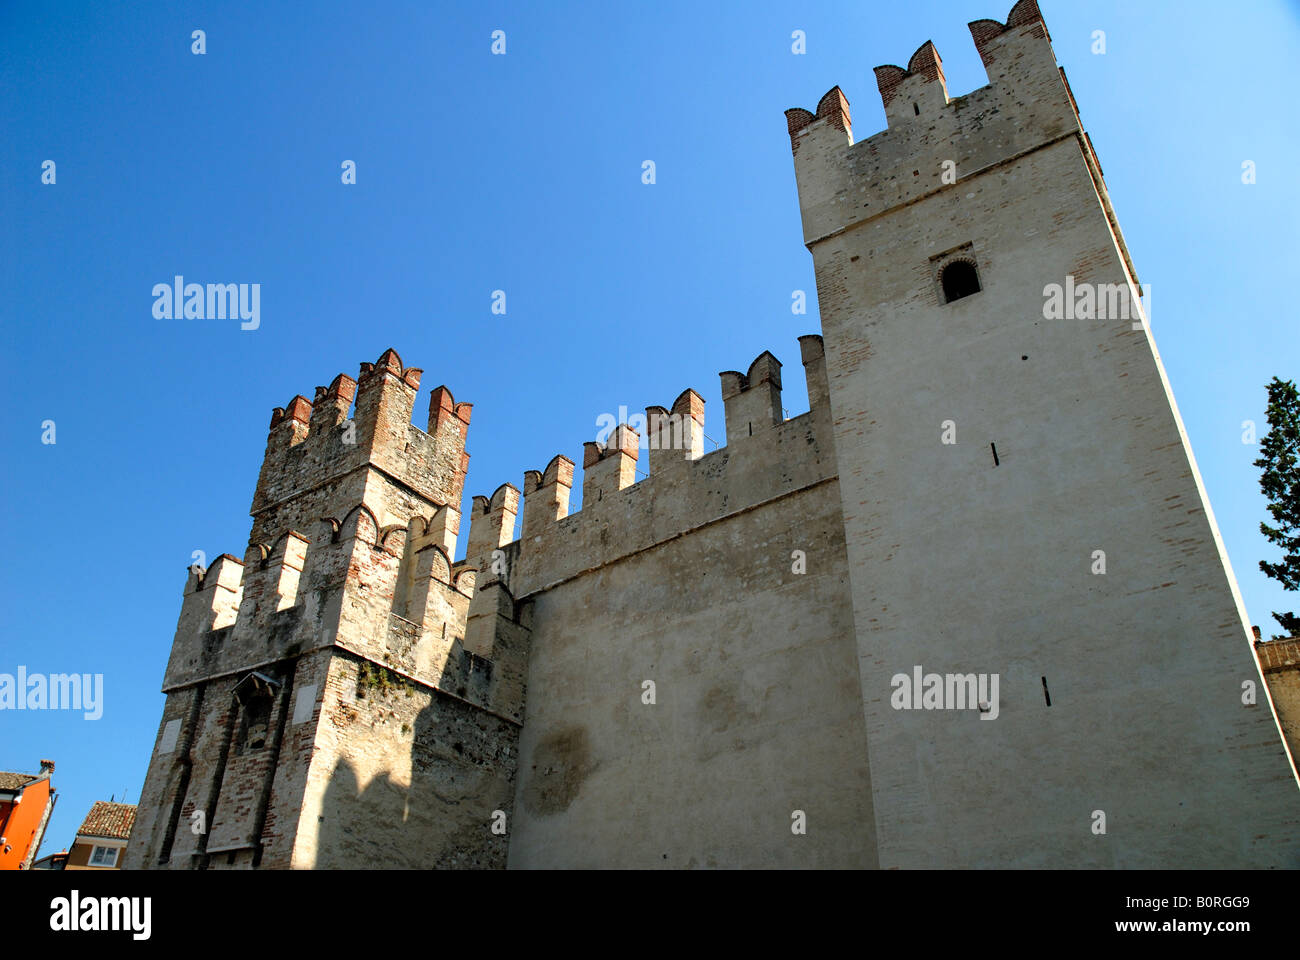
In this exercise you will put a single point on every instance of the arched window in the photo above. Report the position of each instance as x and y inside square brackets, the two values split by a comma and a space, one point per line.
[959, 279]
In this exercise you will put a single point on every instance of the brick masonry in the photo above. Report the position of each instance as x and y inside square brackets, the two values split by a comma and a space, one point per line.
[1280, 661]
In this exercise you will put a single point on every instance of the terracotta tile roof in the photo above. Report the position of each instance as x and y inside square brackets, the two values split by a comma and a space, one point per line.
[12, 781]
[111, 820]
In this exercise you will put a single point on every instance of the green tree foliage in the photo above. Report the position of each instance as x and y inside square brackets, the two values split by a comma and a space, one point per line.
[1280, 481]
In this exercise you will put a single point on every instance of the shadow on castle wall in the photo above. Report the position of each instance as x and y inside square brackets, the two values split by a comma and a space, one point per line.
[421, 799]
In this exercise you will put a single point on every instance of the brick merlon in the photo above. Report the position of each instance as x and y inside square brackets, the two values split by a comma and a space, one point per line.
[833, 108]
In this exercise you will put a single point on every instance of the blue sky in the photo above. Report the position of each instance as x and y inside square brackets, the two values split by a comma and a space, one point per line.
[522, 173]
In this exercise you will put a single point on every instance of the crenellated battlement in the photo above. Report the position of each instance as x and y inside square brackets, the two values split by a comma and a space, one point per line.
[921, 84]
[313, 444]
[920, 88]
[986, 33]
[391, 594]
[546, 495]
[355, 524]
[935, 143]
[766, 456]
[676, 432]
[492, 521]
[752, 399]
[610, 466]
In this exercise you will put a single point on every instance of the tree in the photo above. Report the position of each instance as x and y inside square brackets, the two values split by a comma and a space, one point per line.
[1280, 481]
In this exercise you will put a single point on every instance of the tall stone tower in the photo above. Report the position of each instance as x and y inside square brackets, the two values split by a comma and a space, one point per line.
[333, 700]
[993, 463]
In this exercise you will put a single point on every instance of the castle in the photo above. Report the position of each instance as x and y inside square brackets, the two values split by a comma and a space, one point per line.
[702, 668]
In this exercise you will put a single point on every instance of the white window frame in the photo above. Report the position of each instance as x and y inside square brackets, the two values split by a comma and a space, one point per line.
[96, 852]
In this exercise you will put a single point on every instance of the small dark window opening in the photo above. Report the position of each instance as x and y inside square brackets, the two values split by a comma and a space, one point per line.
[258, 719]
[959, 280]
[916, 110]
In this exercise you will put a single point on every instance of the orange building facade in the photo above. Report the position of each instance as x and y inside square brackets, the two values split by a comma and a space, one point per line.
[26, 802]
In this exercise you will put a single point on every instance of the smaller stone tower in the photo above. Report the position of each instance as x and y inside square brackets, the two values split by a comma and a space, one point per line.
[339, 696]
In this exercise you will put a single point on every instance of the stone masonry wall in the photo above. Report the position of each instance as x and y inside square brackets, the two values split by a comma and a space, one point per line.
[1280, 660]
[404, 777]
[1119, 692]
[688, 579]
